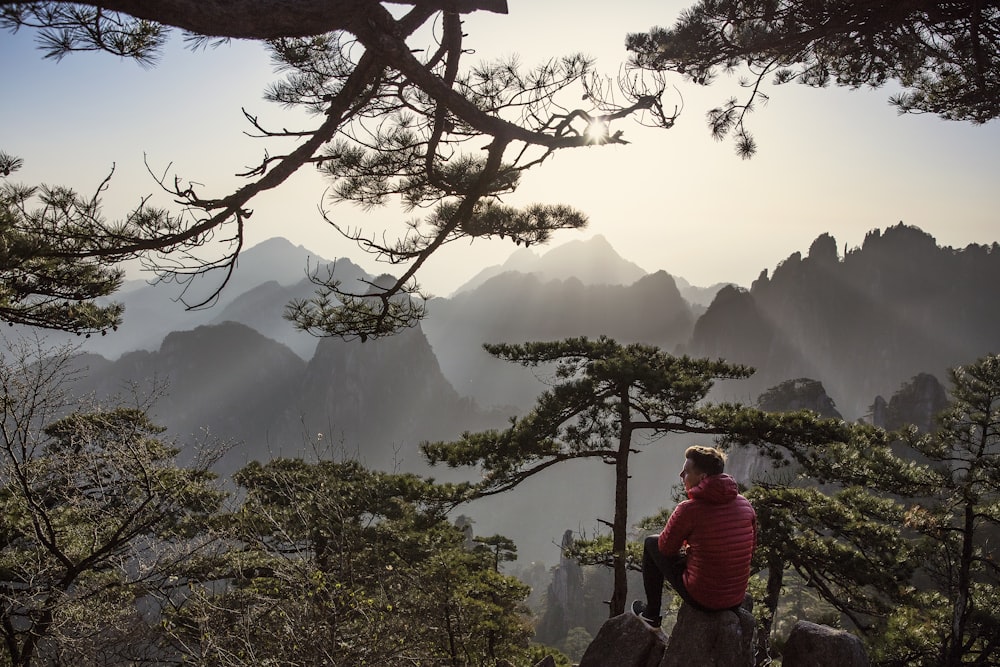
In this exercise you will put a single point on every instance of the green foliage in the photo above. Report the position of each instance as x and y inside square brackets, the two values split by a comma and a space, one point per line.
[576, 642]
[902, 545]
[45, 281]
[579, 417]
[537, 653]
[847, 545]
[501, 549]
[960, 522]
[944, 56]
[96, 515]
[335, 564]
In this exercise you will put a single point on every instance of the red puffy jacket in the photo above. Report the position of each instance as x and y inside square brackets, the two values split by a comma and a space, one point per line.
[718, 527]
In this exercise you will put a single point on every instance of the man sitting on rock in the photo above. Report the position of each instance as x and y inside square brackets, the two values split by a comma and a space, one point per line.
[704, 551]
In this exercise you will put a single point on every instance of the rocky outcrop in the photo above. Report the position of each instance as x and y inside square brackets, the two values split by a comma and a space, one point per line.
[861, 323]
[625, 641]
[717, 639]
[564, 603]
[722, 639]
[917, 402]
[812, 645]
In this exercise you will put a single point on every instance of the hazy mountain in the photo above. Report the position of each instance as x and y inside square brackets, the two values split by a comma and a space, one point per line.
[862, 324]
[592, 262]
[518, 307]
[225, 380]
[262, 308]
[384, 396]
[699, 297]
[915, 403]
[154, 310]
[376, 401]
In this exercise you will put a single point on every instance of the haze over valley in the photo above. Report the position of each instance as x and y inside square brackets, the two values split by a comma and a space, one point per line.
[861, 324]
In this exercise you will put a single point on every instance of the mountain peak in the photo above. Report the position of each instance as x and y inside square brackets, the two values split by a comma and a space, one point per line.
[592, 261]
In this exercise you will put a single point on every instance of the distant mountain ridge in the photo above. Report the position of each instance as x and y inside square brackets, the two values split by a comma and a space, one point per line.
[863, 324]
[592, 262]
[517, 307]
[376, 400]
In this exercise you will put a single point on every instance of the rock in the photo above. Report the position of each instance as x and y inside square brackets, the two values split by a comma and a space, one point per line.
[812, 645]
[706, 639]
[624, 641]
[710, 639]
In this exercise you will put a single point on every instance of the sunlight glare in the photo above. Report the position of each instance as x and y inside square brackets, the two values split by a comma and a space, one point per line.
[597, 131]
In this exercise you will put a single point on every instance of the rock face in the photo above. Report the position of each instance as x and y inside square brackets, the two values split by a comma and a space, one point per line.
[719, 639]
[564, 602]
[811, 645]
[625, 641]
[862, 324]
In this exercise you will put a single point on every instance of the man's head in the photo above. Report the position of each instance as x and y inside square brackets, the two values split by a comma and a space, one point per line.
[699, 463]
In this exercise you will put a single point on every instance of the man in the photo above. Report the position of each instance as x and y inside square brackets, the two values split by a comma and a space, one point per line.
[704, 551]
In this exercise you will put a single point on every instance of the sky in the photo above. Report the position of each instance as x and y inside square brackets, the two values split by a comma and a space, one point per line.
[830, 160]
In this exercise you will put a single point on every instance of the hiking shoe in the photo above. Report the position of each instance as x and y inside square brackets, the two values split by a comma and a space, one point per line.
[639, 609]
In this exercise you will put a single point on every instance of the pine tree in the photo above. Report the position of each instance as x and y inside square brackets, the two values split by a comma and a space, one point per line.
[399, 118]
[603, 393]
[944, 55]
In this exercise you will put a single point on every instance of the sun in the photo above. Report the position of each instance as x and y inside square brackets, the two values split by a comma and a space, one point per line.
[597, 131]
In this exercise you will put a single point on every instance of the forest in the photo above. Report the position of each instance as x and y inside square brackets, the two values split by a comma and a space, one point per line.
[116, 553]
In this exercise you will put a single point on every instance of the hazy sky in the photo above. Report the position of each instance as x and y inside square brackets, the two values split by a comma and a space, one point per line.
[830, 160]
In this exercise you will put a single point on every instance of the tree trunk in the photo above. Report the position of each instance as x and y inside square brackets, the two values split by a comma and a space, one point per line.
[620, 524]
[960, 610]
[267, 19]
[775, 577]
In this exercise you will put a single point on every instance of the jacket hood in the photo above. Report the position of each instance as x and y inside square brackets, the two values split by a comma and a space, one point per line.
[715, 489]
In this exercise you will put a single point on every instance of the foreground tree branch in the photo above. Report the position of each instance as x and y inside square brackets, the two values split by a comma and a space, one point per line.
[945, 55]
[400, 123]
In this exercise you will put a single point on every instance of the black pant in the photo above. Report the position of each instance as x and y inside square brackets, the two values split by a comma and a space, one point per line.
[657, 568]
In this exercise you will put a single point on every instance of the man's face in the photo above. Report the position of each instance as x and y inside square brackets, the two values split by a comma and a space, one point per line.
[690, 475]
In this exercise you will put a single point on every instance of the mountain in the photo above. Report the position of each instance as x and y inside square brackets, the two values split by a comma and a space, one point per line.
[699, 297]
[516, 307]
[262, 308]
[376, 401]
[381, 398]
[592, 262]
[227, 381]
[154, 310]
[862, 324]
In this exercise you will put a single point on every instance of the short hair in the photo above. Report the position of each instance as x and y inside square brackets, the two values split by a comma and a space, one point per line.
[708, 460]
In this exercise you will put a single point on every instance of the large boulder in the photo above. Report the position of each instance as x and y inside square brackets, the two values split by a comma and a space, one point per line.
[812, 645]
[710, 639]
[707, 639]
[624, 641]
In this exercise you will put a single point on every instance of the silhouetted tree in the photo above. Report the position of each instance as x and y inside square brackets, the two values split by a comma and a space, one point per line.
[37, 286]
[396, 122]
[946, 56]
